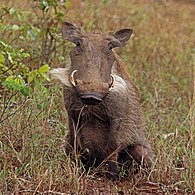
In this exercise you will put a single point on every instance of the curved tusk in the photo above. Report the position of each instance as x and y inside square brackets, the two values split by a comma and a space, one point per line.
[72, 78]
[113, 82]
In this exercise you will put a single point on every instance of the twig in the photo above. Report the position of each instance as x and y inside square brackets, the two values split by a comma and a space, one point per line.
[17, 156]
[192, 107]
[14, 111]
[5, 106]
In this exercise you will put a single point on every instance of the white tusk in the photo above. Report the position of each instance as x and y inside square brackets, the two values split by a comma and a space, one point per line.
[72, 78]
[113, 82]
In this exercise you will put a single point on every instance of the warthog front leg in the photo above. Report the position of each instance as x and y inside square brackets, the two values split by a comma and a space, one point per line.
[141, 154]
[113, 171]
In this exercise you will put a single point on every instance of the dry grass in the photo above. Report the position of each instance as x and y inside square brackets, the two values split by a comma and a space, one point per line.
[160, 58]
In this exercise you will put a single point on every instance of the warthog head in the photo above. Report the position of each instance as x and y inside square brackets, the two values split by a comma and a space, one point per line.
[92, 60]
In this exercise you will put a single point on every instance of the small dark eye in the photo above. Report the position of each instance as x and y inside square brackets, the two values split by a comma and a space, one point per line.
[110, 46]
[78, 42]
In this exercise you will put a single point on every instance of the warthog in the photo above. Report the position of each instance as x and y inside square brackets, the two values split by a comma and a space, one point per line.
[105, 118]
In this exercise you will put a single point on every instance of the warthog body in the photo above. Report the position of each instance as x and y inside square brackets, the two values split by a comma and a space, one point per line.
[105, 118]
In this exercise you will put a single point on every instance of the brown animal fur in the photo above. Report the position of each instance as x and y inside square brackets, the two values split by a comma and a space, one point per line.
[112, 129]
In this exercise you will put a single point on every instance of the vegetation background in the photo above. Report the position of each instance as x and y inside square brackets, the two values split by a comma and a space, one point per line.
[160, 57]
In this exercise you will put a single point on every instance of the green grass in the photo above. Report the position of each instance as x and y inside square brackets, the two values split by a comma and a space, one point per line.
[159, 57]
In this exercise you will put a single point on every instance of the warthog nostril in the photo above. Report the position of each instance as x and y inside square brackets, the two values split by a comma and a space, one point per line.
[91, 98]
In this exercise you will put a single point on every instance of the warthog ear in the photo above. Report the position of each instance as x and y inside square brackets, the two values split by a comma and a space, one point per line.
[71, 32]
[122, 36]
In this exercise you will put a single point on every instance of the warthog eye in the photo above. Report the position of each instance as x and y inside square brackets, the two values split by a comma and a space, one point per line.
[78, 42]
[110, 46]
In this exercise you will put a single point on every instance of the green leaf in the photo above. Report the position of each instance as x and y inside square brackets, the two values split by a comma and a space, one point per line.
[12, 11]
[60, 14]
[15, 27]
[44, 68]
[2, 59]
[45, 76]
[10, 57]
[4, 44]
[11, 84]
[43, 4]
[19, 80]
[32, 76]
[16, 84]
[25, 90]
[63, 130]
[9, 78]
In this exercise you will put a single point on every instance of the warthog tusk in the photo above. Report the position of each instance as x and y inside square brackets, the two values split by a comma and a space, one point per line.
[72, 78]
[113, 82]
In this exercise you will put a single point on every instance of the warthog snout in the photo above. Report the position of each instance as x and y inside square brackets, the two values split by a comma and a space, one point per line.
[91, 92]
[91, 98]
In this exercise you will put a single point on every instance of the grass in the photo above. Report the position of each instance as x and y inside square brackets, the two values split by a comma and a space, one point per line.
[160, 58]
